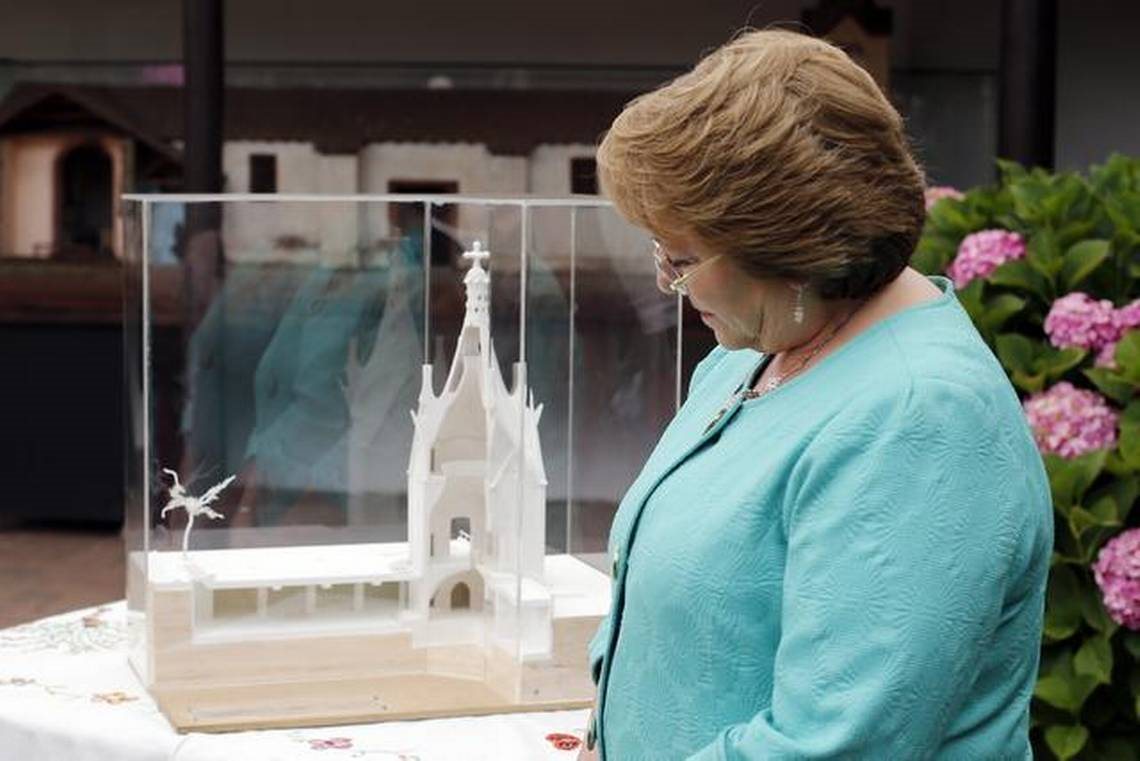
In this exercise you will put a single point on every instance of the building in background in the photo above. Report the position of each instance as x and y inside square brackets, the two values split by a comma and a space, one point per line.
[69, 152]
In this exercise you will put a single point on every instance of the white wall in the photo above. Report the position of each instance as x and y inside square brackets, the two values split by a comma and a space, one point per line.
[255, 231]
[471, 166]
[549, 168]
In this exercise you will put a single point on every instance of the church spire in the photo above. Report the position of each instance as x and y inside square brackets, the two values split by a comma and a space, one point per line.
[478, 284]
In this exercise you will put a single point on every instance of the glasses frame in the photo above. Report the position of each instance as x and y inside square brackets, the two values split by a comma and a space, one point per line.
[678, 283]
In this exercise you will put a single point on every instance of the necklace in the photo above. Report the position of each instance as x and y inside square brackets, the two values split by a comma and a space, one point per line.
[745, 392]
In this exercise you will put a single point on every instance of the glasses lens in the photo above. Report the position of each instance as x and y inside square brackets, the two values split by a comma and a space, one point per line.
[662, 261]
[676, 280]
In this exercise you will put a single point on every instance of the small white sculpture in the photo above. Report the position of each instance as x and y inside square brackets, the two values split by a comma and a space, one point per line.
[194, 506]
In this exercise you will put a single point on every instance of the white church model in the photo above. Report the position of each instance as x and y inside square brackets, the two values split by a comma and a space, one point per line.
[468, 616]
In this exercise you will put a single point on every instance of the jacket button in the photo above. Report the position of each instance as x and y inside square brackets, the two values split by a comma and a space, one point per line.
[591, 734]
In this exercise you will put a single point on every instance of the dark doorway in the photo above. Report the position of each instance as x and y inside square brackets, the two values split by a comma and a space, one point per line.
[460, 526]
[460, 596]
[408, 218]
[84, 203]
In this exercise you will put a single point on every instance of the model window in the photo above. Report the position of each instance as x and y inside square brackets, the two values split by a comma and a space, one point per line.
[584, 176]
[262, 173]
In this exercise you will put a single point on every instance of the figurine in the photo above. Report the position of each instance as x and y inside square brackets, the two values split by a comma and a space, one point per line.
[194, 506]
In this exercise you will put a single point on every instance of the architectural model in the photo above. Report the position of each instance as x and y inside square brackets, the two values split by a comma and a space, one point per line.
[469, 615]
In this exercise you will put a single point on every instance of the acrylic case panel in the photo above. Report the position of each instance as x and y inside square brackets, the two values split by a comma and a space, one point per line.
[386, 451]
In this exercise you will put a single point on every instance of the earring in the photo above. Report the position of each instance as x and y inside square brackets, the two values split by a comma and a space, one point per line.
[798, 308]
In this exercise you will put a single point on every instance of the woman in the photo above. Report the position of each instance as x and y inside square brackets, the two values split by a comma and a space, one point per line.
[839, 547]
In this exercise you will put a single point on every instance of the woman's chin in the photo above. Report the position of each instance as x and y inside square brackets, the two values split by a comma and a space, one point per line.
[728, 339]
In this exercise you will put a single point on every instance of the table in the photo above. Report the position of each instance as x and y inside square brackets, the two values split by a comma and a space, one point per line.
[67, 694]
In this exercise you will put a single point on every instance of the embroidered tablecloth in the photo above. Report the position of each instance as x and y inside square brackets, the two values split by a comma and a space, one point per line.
[67, 694]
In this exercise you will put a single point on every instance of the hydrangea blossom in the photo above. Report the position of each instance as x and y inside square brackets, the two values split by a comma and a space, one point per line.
[982, 252]
[1117, 572]
[1127, 317]
[936, 193]
[1124, 319]
[1082, 321]
[1106, 356]
[1069, 421]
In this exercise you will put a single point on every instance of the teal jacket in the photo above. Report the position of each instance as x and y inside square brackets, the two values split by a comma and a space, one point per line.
[851, 566]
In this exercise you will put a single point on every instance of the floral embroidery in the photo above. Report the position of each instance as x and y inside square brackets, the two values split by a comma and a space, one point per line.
[112, 698]
[331, 743]
[563, 741]
[86, 633]
[16, 681]
[94, 620]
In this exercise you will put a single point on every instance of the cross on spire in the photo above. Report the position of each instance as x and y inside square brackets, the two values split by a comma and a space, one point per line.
[476, 254]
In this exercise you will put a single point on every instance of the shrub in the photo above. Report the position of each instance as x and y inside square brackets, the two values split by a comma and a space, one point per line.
[1048, 267]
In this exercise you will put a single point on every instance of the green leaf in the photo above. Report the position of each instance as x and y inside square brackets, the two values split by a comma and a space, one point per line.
[1105, 511]
[1010, 170]
[1028, 196]
[951, 217]
[1019, 275]
[1070, 479]
[1044, 254]
[970, 298]
[1056, 362]
[1095, 659]
[1016, 352]
[1132, 644]
[1029, 383]
[1128, 356]
[1062, 604]
[1117, 211]
[1093, 612]
[1129, 441]
[999, 309]
[1075, 231]
[1081, 260]
[1134, 680]
[1066, 741]
[1110, 384]
[1067, 693]
[1081, 520]
[1124, 490]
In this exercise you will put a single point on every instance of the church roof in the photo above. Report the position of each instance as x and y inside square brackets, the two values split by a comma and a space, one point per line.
[508, 122]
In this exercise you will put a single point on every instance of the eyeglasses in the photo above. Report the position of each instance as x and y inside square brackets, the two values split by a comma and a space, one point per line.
[678, 283]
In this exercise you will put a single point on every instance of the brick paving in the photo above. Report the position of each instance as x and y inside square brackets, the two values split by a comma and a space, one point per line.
[47, 569]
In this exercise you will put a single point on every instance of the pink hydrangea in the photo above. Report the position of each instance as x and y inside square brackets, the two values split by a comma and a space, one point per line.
[1069, 421]
[1106, 356]
[1126, 318]
[980, 253]
[1082, 321]
[1117, 572]
[936, 193]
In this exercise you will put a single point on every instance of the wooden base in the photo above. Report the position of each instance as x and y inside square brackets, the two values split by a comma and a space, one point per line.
[311, 668]
[360, 701]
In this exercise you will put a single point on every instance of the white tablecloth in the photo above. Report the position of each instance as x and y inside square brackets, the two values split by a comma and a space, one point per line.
[67, 694]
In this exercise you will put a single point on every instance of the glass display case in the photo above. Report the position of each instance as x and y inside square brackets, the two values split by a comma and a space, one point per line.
[375, 445]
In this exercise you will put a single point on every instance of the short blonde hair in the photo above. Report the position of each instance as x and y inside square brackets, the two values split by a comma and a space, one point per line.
[779, 151]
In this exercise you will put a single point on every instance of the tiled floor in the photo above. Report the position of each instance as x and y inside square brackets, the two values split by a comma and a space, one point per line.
[48, 569]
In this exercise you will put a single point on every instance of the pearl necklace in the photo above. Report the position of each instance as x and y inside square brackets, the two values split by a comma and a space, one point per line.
[778, 379]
